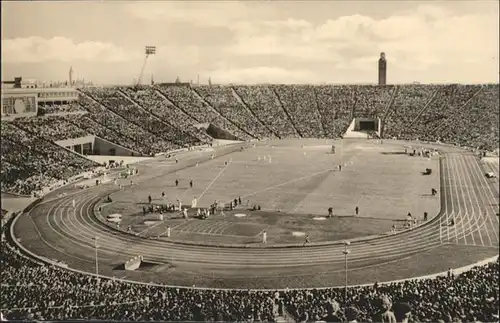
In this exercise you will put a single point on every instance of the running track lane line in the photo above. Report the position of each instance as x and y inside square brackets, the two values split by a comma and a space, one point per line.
[468, 180]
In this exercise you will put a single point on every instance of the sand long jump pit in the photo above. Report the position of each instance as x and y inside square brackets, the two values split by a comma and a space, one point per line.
[293, 191]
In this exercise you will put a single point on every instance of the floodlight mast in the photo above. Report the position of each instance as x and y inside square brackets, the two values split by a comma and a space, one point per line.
[149, 50]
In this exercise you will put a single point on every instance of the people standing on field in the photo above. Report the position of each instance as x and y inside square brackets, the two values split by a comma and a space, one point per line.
[307, 241]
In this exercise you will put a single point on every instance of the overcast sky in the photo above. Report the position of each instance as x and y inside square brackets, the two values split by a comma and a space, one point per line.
[253, 41]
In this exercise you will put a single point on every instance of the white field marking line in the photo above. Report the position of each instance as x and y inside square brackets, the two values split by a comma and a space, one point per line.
[201, 227]
[483, 218]
[451, 199]
[52, 214]
[460, 188]
[84, 226]
[298, 205]
[461, 221]
[217, 234]
[57, 232]
[178, 225]
[447, 197]
[440, 231]
[155, 225]
[193, 226]
[446, 211]
[474, 193]
[189, 227]
[485, 198]
[220, 229]
[456, 206]
[126, 246]
[487, 185]
[75, 230]
[158, 236]
[472, 220]
[87, 207]
[286, 183]
[172, 228]
[226, 227]
[213, 181]
[329, 195]
[216, 227]
[260, 233]
[465, 190]
[46, 242]
[136, 250]
[478, 218]
[66, 195]
[469, 222]
[213, 227]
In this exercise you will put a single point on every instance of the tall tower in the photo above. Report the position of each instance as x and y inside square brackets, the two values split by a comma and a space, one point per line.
[382, 70]
[71, 76]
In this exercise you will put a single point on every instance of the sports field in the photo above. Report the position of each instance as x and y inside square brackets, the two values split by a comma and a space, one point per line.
[294, 183]
[58, 230]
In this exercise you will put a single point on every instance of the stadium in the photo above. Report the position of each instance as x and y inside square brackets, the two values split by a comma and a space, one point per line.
[247, 203]
[284, 172]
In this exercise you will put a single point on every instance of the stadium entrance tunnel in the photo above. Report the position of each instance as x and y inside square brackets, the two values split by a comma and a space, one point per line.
[218, 133]
[367, 124]
[363, 127]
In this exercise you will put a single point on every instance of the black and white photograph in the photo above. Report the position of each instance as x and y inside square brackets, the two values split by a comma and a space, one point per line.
[250, 161]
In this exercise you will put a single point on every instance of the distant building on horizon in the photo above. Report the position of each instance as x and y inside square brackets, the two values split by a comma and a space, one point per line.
[382, 70]
[71, 81]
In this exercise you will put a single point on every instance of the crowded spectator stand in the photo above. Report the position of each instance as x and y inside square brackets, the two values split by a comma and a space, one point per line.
[159, 119]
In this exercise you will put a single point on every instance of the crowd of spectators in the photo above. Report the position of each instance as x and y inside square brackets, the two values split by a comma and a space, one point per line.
[335, 107]
[191, 103]
[261, 100]
[301, 105]
[468, 297]
[224, 100]
[447, 100]
[149, 99]
[146, 142]
[30, 162]
[60, 108]
[52, 127]
[476, 126]
[371, 101]
[159, 119]
[408, 104]
[117, 102]
[36, 291]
